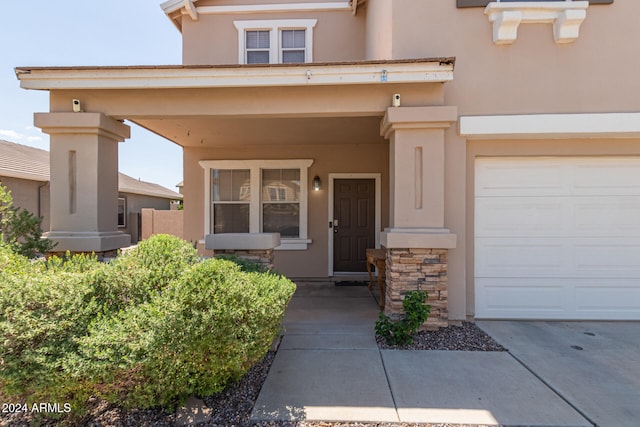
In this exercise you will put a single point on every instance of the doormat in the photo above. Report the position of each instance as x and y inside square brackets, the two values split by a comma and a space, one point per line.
[351, 283]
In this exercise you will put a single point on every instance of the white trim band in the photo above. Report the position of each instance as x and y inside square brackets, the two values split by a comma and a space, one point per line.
[276, 8]
[179, 77]
[564, 126]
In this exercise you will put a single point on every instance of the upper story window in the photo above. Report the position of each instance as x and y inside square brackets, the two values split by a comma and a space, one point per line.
[275, 42]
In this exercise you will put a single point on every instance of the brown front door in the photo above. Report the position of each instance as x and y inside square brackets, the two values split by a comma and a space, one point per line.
[354, 223]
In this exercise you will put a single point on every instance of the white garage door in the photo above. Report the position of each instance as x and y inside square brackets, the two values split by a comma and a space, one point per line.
[557, 238]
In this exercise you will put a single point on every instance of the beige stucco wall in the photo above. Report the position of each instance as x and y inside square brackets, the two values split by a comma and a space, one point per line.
[30, 195]
[328, 158]
[596, 73]
[213, 39]
[162, 222]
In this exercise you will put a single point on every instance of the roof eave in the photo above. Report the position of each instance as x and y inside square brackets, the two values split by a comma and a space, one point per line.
[429, 70]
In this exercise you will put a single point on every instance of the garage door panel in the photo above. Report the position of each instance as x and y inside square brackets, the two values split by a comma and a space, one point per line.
[521, 298]
[605, 216]
[607, 177]
[618, 299]
[558, 238]
[519, 215]
[605, 258]
[519, 178]
[497, 257]
[561, 216]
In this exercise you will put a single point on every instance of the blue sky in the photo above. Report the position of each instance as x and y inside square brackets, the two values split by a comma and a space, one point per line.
[87, 32]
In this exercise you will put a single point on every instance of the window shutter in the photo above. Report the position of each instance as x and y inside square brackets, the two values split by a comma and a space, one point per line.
[483, 3]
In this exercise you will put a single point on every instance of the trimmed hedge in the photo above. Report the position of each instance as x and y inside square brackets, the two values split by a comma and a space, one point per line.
[153, 327]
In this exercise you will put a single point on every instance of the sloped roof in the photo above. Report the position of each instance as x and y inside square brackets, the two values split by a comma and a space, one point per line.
[21, 161]
[24, 162]
[127, 184]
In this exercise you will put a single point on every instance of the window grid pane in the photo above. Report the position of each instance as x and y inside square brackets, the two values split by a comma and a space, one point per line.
[258, 39]
[257, 57]
[281, 185]
[293, 39]
[230, 218]
[257, 46]
[293, 56]
[283, 218]
[231, 185]
[293, 46]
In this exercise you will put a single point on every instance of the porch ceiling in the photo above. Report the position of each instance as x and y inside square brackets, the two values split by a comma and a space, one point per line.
[230, 132]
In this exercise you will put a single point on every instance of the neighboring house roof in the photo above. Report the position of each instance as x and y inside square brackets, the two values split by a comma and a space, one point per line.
[127, 184]
[24, 162]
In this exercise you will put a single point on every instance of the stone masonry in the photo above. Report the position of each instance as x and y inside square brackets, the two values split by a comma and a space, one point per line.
[418, 269]
[264, 257]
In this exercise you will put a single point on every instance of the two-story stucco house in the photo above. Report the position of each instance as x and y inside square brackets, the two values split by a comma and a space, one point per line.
[492, 148]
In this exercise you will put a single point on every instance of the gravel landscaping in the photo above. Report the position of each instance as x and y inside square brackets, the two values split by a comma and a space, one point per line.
[467, 337]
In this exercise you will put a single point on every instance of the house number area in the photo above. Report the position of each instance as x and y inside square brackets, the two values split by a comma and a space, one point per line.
[41, 407]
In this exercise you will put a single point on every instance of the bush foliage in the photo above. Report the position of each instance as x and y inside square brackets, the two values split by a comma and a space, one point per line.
[20, 229]
[401, 332]
[152, 327]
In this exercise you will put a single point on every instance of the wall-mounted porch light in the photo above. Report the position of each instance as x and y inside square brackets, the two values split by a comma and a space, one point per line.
[317, 184]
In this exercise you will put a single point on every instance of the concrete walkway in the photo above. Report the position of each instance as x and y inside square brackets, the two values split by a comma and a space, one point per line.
[329, 368]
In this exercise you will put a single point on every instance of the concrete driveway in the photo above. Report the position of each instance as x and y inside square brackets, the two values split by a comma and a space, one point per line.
[593, 366]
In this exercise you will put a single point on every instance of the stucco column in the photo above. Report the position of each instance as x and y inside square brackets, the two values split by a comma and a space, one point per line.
[84, 180]
[417, 241]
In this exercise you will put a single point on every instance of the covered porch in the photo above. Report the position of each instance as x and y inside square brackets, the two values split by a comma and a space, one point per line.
[334, 121]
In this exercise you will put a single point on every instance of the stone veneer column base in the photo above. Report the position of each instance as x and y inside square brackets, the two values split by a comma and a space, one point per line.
[264, 257]
[418, 269]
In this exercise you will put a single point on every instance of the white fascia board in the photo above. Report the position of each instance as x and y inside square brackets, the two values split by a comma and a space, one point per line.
[171, 6]
[246, 76]
[275, 8]
[562, 126]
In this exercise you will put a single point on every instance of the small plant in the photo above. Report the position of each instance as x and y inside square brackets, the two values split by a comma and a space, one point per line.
[20, 229]
[401, 332]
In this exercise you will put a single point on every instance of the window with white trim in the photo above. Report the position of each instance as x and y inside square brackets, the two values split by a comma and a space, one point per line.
[231, 198]
[275, 42]
[258, 196]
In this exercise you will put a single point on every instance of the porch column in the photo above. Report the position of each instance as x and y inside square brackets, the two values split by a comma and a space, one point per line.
[84, 180]
[417, 241]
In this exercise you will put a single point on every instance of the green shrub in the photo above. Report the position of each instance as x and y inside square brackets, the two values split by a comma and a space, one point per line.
[41, 315]
[150, 328]
[244, 264]
[140, 273]
[20, 229]
[202, 332]
[401, 332]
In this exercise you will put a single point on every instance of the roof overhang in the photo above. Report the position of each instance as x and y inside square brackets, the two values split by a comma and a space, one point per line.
[429, 70]
[177, 9]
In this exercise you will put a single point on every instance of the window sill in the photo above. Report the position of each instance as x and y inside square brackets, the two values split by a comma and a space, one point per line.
[293, 244]
[566, 17]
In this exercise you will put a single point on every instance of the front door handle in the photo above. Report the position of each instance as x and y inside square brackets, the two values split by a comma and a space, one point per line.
[335, 225]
